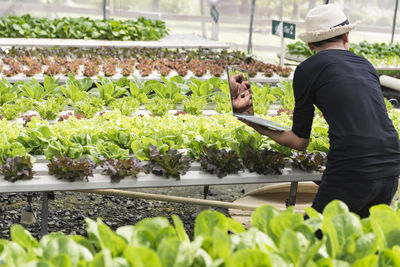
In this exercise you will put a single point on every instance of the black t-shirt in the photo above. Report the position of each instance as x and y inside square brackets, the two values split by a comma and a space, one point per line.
[345, 87]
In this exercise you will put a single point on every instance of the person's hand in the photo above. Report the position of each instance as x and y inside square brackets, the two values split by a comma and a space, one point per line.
[243, 101]
[256, 127]
[235, 81]
[240, 92]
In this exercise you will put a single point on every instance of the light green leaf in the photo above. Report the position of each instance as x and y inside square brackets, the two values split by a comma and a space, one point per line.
[23, 237]
[180, 230]
[102, 259]
[262, 217]
[167, 251]
[290, 246]
[368, 261]
[207, 221]
[250, 257]
[141, 257]
[334, 208]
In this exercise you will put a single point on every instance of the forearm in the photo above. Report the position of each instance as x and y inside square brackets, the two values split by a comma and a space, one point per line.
[285, 138]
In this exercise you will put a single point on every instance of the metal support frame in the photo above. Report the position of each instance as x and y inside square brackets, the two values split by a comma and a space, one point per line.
[105, 9]
[214, 31]
[394, 20]
[326, 2]
[282, 58]
[249, 46]
[206, 189]
[203, 24]
[45, 211]
[292, 194]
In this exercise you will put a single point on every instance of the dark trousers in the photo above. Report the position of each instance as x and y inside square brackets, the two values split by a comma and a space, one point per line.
[358, 195]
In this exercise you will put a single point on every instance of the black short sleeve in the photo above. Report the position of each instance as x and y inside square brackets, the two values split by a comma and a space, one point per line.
[304, 109]
[363, 143]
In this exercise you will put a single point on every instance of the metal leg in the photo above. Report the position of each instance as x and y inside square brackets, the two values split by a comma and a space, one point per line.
[205, 192]
[292, 194]
[45, 209]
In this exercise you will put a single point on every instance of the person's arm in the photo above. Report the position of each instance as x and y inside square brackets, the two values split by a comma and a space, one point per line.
[285, 138]
[299, 137]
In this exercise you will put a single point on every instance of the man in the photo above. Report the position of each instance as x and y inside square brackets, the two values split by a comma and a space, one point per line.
[364, 158]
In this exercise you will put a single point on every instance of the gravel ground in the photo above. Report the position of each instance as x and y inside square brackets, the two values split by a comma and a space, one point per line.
[68, 209]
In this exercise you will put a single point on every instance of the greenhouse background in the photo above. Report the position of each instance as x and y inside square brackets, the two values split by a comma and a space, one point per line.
[193, 17]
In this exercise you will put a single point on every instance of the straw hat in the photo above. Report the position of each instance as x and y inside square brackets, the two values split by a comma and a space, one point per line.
[324, 22]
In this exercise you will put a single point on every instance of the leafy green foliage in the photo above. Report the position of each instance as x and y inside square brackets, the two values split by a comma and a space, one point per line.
[223, 103]
[276, 238]
[34, 90]
[377, 53]
[65, 168]
[299, 49]
[308, 161]
[139, 90]
[8, 91]
[126, 105]
[264, 161]
[378, 50]
[263, 97]
[82, 28]
[286, 95]
[118, 169]
[107, 90]
[220, 161]
[194, 104]
[159, 106]
[17, 168]
[173, 89]
[204, 88]
[110, 150]
[172, 163]
[73, 92]
[50, 109]
[83, 85]
[11, 111]
[87, 108]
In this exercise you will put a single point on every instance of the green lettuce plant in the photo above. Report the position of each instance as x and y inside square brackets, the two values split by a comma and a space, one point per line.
[50, 108]
[126, 105]
[275, 239]
[34, 90]
[107, 90]
[27, 26]
[194, 104]
[159, 106]
[86, 108]
[8, 91]
[11, 111]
